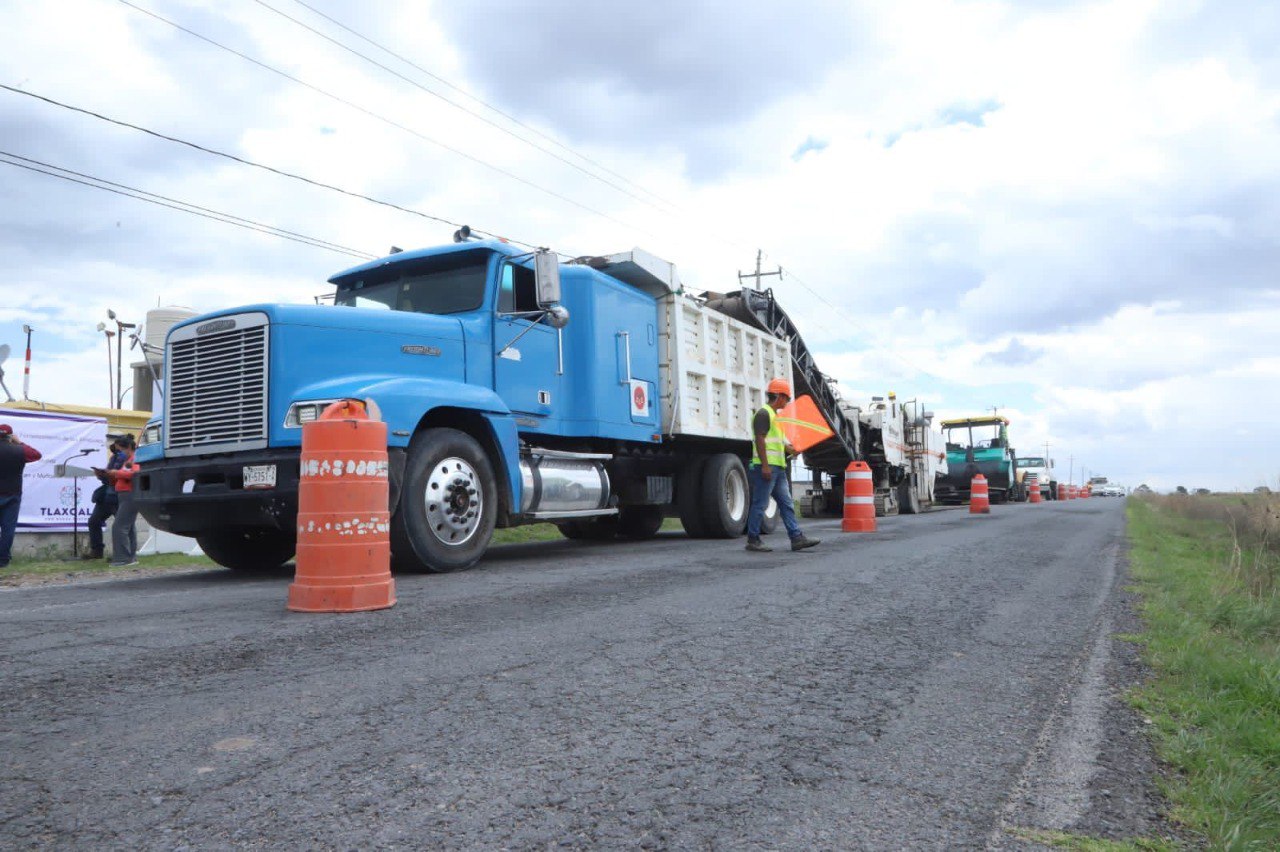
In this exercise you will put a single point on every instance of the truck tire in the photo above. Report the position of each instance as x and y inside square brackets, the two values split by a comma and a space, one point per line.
[769, 523]
[248, 549]
[448, 505]
[639, 522]
[726, 496]
[1053, 490]
[689, 497]
[603, 528]
[908, 499]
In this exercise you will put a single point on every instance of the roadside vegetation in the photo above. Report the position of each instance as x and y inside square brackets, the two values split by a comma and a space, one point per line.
[47, 566]
[1208, 570]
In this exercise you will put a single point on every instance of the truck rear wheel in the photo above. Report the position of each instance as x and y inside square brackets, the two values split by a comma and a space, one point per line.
[248, 549]
[640, 522]
[689, 497]
[769, 522]
[726, 496]
[448, 505]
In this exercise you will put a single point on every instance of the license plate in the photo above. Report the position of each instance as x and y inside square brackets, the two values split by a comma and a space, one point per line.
[259, 476]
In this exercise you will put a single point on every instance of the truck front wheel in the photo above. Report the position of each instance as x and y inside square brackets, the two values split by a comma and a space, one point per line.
[248, 549]
[448, 506]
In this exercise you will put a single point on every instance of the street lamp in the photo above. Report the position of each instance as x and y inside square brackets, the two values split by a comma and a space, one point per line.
[120, 327]
[111, 388]
[26, 370]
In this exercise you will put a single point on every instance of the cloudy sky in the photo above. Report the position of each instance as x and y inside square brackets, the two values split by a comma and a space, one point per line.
[1069, 210]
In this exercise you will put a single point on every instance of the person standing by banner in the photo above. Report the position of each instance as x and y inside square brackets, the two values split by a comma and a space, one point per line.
[14, 456]
[124, 534]
[105, 503]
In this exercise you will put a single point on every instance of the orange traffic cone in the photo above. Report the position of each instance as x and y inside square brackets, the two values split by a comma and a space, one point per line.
[979, 498]
[344, 541]
[859, 499]
[1033, 488]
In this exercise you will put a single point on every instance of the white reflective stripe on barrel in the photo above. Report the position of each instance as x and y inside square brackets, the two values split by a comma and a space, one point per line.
[857, 474]
[852, 501]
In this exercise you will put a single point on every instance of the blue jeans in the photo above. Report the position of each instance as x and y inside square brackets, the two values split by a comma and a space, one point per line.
[124, 535]
[762, 489]
[8, 525]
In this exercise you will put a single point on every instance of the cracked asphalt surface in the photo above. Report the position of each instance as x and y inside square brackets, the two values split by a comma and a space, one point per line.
[932, 685]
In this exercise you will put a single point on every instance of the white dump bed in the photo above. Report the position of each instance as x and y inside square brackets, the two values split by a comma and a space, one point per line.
[713, 369]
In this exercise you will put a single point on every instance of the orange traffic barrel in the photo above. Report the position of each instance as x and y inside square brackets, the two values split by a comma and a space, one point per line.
[344, 522]
[1033, 488]
[859, 499]
[979, 498]
[1071, 492]
[1062, 490]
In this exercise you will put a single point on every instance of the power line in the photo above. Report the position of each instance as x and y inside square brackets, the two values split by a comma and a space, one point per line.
[892, 351]
[243, 161]
[383, 119]
[175, 204]
[458, 106]
[483, 103]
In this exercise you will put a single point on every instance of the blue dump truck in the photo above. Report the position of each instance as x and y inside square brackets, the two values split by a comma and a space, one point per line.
[594, 394]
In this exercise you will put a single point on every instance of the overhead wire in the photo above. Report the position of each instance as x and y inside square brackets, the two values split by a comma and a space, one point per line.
[72, 176]
[855, 323]
[444, 81]
[390, 122]
[458, 106]
[243, 161]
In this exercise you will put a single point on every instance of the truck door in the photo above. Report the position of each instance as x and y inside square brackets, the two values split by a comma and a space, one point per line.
[526, 351]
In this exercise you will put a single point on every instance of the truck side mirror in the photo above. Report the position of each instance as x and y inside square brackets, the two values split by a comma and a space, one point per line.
[546, 267]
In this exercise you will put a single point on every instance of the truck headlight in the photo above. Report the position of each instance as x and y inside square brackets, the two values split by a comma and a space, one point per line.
[151, 434]
[305, 412]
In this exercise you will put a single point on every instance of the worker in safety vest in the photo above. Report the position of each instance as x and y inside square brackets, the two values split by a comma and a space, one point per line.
[768, 472]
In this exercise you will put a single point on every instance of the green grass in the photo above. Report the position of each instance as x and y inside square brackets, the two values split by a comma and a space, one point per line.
[44, 567]
[1081, 843]
[1213, 641]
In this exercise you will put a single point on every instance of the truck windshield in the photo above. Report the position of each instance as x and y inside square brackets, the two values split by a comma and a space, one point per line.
[1031, 462]
[449, 284]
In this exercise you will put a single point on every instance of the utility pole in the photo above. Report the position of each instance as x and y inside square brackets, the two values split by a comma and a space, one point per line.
[1071, 472]
[758, 274]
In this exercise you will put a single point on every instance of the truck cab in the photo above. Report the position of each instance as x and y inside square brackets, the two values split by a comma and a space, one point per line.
[1042, 469]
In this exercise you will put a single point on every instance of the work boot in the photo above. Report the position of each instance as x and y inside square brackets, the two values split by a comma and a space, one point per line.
[755, 545]
[803, 543]
[95, 555]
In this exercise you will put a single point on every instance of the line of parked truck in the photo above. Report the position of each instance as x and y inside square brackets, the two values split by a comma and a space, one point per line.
[597, 394]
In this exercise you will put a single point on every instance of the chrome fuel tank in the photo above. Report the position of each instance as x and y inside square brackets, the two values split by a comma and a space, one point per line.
[556, 484]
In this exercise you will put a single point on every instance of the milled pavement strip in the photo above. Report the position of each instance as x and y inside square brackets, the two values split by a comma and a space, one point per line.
[1066, 749]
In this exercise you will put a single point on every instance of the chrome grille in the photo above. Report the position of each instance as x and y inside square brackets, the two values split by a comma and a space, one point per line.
[216, 388]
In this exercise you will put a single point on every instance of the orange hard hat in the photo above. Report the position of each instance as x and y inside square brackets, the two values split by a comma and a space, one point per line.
[780, 386]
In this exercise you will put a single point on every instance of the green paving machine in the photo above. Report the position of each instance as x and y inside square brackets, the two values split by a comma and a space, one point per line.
[978, 445]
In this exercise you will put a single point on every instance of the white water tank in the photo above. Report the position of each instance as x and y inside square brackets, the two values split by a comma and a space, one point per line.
[156, 328]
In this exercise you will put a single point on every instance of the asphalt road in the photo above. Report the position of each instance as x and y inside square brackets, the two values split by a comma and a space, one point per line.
[938, 684]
